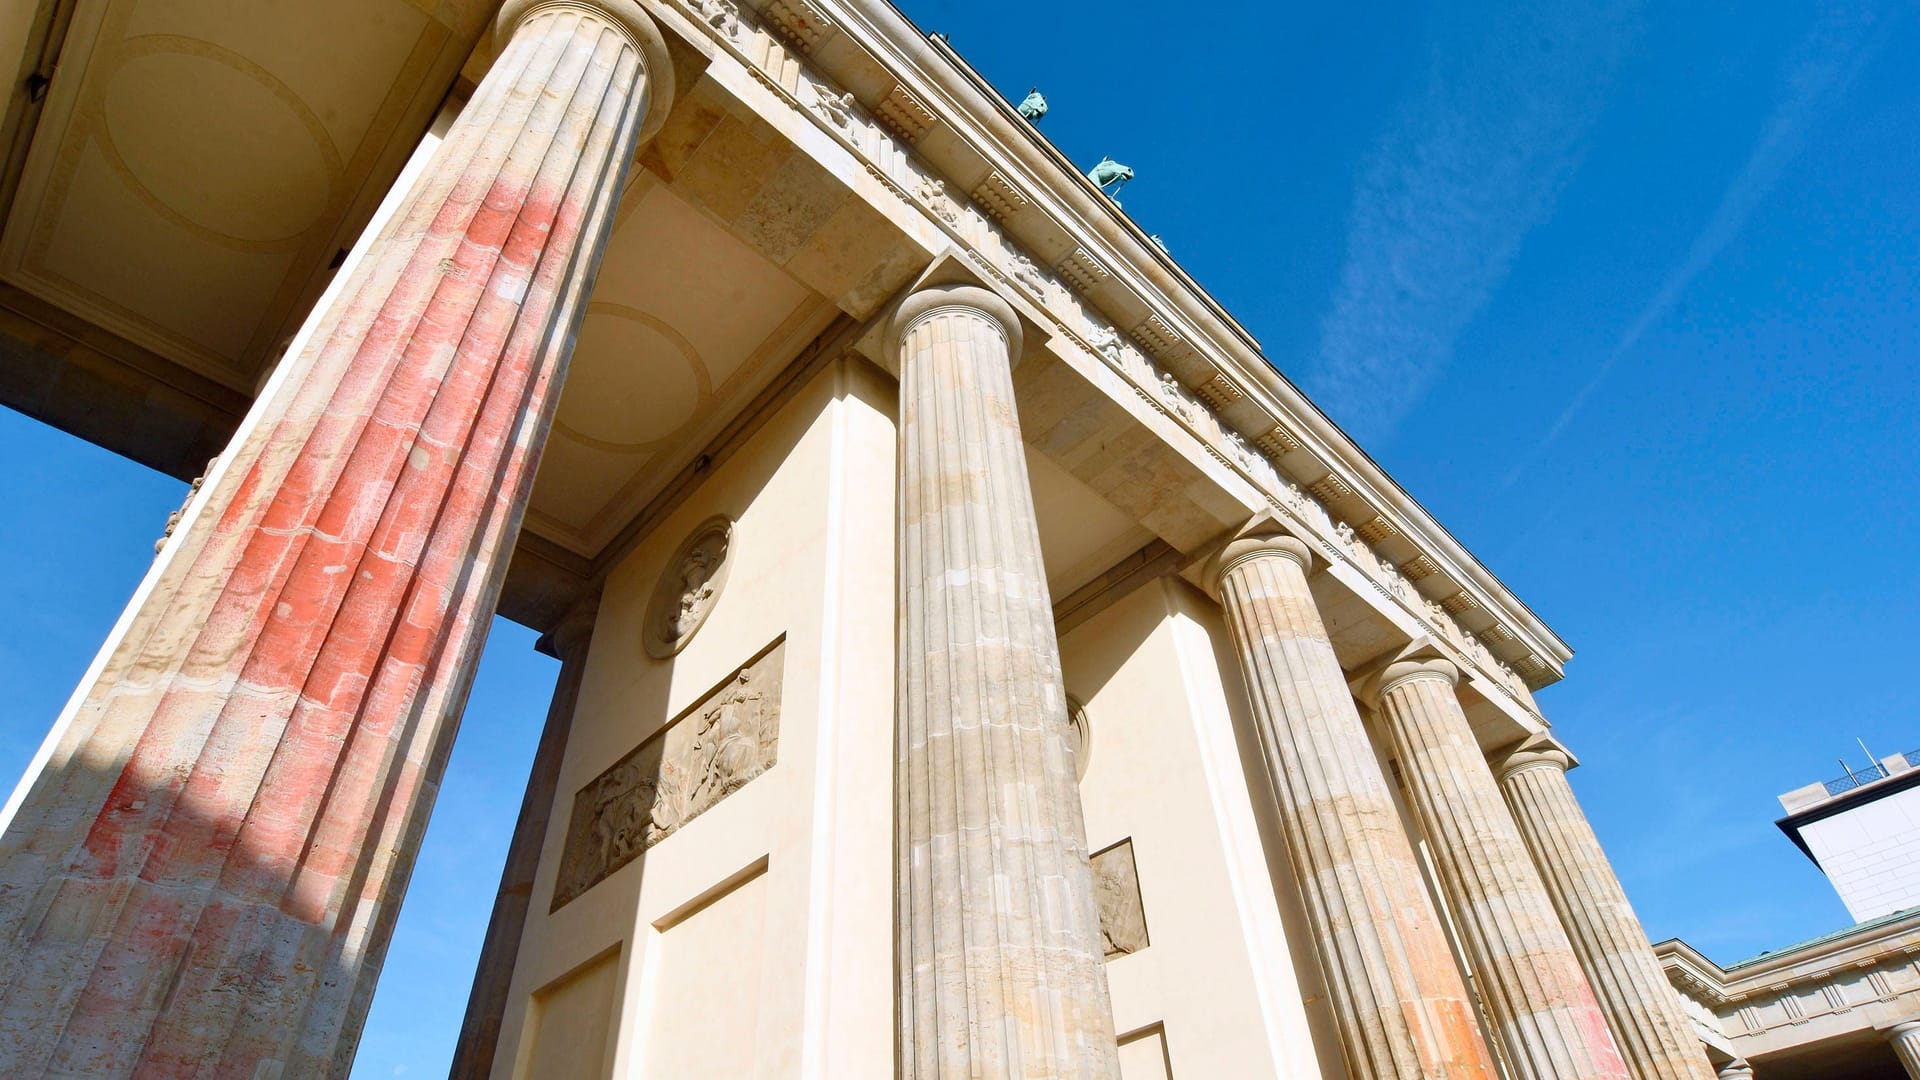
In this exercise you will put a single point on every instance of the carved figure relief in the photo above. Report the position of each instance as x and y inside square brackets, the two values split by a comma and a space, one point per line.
[934, 194]
[1176, 400]
[683, 770]
[837, 110]
[689, 588]
[723, 16]
[1106, 341]
[1116, 889]
[1027, 275]
[1237, 449]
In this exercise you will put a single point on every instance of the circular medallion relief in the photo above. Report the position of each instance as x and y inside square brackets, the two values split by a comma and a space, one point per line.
[1078, 736]
[688, 588]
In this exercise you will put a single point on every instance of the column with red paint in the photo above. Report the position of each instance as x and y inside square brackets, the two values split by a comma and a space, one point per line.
[203, 876]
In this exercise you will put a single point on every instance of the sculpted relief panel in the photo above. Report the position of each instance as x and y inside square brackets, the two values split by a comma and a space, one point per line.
[1116, 888]
[699, 758]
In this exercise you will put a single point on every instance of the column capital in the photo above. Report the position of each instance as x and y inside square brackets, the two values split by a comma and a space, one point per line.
[570, 637]
[1541, 750]
[1262, 538]
[973, 298]
[1401, 671]
[629, 17]
[1903, 1028]
[1737, 1069]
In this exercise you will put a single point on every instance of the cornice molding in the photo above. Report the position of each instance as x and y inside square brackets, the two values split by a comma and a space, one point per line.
[1027, 175]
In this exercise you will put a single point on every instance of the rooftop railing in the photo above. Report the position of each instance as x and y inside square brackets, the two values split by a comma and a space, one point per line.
[1859, 777]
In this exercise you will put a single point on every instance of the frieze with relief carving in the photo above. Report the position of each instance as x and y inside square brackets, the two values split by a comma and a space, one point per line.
[777, 60]
[683, 770]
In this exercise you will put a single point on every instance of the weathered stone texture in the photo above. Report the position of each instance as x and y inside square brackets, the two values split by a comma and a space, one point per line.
[1905, 1039]
[1116, 885]
[707, 753]
[1650, 1030]
[1398, 996]
[1543, 1011]
[999, 943]
[203, 879]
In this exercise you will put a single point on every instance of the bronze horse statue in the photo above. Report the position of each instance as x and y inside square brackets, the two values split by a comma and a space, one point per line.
[1109, 176]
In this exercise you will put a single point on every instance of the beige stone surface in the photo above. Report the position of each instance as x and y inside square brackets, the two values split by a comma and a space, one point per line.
[818, 156]
[1652, 1032]
[199, 170]
[1804, 1011]
[1544, 1013]
[1905, 1039]
[1398, 996]
[1116, 888]
[713, 749]
[770, 914]
[1230, 976]
[999, 944]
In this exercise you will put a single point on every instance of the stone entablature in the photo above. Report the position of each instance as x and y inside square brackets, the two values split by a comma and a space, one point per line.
[1865, 977]
[1242, 414]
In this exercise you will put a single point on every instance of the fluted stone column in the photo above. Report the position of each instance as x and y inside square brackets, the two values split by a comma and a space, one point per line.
[1000, 961]
[1642, 1008]
[1905, 1039]
[1738, 1069]
[493, 976]
[202, 879]
[1543, 1010]
[1398, 995]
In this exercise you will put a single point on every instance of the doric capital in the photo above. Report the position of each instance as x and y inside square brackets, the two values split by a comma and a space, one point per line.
[570, 638]
[1532, 756]
[1263, 538]
[1906, 1029]
[973, 299]
[627, 16]
[1404, 671]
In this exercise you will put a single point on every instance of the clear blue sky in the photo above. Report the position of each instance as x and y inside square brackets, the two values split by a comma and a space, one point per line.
[1627, 294]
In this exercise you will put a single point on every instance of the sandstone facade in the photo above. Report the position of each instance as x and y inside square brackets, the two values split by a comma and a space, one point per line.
[978, 661]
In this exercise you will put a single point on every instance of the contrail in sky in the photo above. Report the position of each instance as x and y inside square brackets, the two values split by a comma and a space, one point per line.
[1818, 71]
[1472, 162]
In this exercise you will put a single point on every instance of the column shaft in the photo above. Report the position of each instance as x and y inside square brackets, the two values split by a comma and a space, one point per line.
[1543, 1010]
[1905, 1039]
[203, 878]
[1652, 1033]
[1398, 995]
[493, 976]
[1000, 960]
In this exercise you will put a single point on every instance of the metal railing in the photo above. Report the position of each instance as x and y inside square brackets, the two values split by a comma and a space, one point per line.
[1859, 777]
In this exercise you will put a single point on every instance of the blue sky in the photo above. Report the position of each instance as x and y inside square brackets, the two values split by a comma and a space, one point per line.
[1628, 295]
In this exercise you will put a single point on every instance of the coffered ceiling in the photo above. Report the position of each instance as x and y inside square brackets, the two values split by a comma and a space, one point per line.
[198, 163]
[685, 325]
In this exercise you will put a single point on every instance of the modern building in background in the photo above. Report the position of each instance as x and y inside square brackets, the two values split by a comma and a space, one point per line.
[1863, 831]
[1842, 1006]
[978, 659]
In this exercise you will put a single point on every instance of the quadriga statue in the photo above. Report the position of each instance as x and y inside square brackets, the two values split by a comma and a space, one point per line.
[1110, 174]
